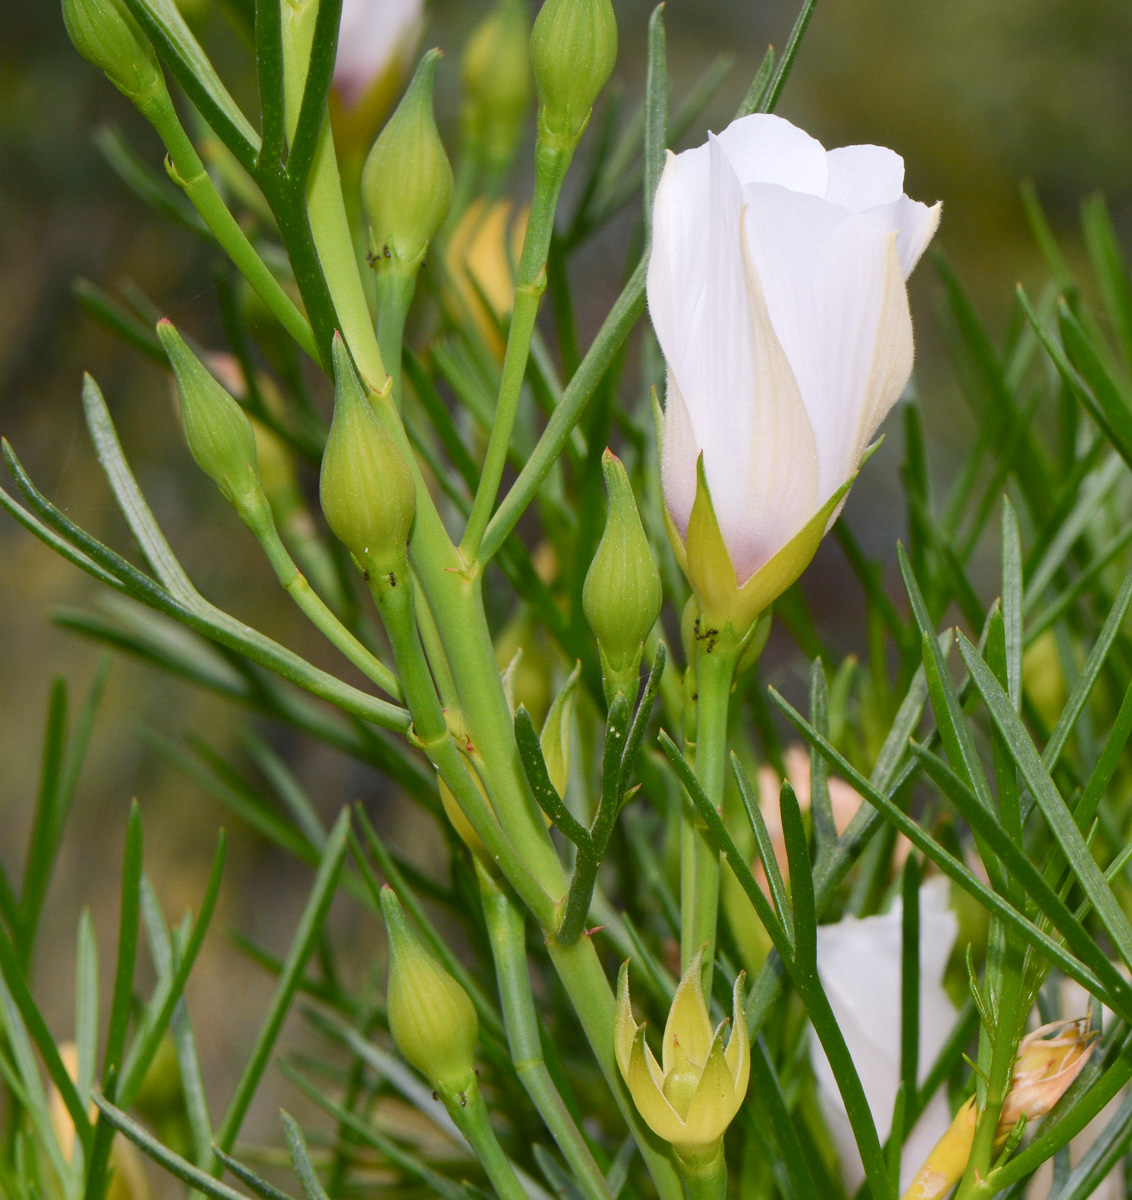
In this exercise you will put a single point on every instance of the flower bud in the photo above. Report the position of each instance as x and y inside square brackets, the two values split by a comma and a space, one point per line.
[105, 33]
[622, 596]
[430, 1016]
[368, 494]
[218, 431]
[1048, 1061]
[573, 52]
[497, 83]
[407, 181]
[692, 1096]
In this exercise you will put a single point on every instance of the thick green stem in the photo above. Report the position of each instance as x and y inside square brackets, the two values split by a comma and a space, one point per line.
[699, 867]
[551, 165]
[704, 1180]
[457, 602]
[469, 1112]
[506, 928]
[396, 284]
[188, 172]
[430, 731]
[261, 522]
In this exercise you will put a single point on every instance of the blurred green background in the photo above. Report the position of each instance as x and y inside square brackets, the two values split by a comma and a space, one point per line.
[976, 94]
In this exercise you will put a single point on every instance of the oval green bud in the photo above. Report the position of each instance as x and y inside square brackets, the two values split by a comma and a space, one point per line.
[573, 52]
[622, 596]
[368, 493]
[218, 431]
[497, 82]
[431, 1018]
[105, 33]
[407, 180]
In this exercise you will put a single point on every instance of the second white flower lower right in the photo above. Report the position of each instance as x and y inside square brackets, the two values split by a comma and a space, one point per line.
[776, 288]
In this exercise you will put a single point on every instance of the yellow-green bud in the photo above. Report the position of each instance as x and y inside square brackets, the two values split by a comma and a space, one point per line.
[407, 181]
[105, 33]
[368, 493]
[573, 52]
[622, 596]
[430, 1016]
[217, 429]
[497, 82]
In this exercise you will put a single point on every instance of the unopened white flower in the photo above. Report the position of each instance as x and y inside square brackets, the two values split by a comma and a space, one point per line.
[376, 39]
[776, 288]
[859, 968]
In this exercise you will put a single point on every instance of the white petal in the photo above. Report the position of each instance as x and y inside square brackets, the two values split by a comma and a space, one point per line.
[863, 177]
[695, 279]
[914, 225]
[859, 967]
[763, 148]
[678, 454]
[764, 496]
[827, 278]
[373, 33]
[740, 403]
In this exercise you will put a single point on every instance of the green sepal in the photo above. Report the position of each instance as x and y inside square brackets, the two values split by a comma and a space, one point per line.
[707, 564]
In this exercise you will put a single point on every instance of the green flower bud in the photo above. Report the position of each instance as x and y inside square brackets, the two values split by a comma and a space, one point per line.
[622, 595]
[217, 429]
[407, 180]
[430, 1016]
[368, 493]
[497, 82]
[573, 52]
[105, 33]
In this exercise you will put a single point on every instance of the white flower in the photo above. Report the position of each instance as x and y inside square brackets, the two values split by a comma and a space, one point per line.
[859, 968]
[776, 289]
[375, 37]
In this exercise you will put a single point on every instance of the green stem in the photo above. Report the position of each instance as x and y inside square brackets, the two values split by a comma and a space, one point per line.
[395, 287]
[188, 172]
[1004, 1049]
[551, 165]
[699, 866]
[704, 1180]
[457, 603]
[261, 522]
[505, 926]
[430, 731]
[605, 347]
[469, 1112]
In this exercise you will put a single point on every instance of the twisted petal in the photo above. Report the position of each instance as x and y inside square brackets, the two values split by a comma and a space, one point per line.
[776, 288]
[836, 297]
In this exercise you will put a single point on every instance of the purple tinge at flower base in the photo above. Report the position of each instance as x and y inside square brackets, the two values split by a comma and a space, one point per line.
[777, 291]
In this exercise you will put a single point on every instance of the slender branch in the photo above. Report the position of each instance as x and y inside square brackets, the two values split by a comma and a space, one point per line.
[699, 876]
[188, 172]
[509, 949]
[551, 165]
[262, 524]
